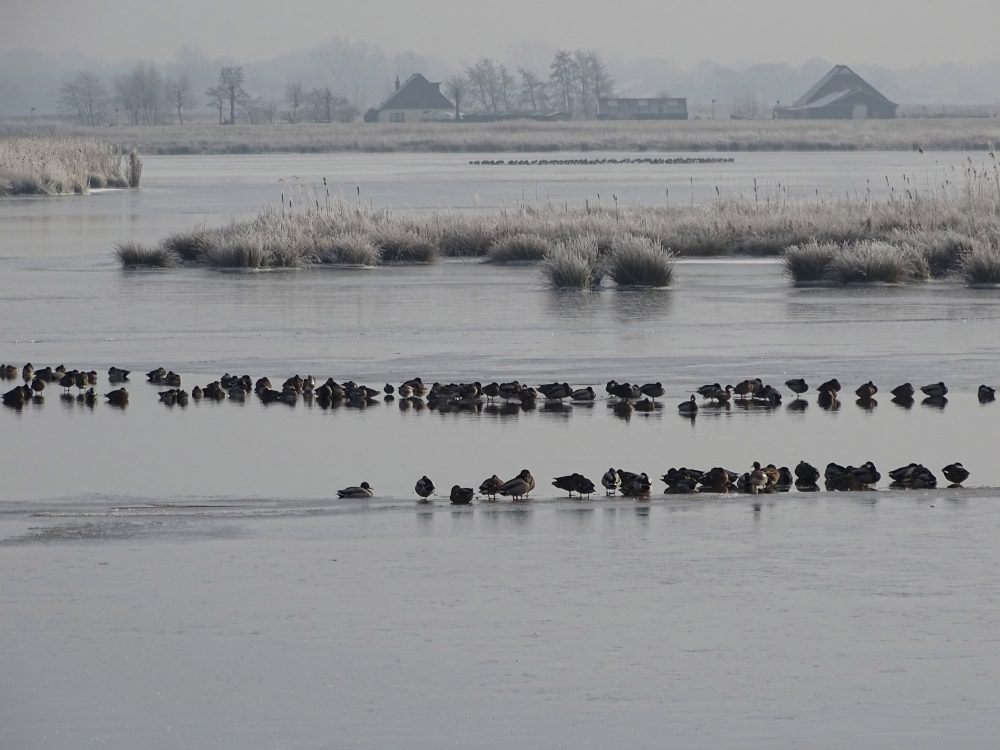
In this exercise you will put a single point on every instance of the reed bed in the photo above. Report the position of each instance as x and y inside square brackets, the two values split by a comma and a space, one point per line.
[826, 241]
[528, 136]
[135, 255]
[981, 265]
[53, 166]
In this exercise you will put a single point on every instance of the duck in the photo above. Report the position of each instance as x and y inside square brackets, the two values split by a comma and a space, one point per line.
[518, 487]
[611, 481]
[584, 486]
[757, 479]
[118, 375]
[38, 385]
[566, 483]
[746, 388]
[904, 391]
[634, 485]
[461, 495]
[27, 372]
[986, 394]
[867, 391]
[491, 391]
[491, 487]
[653, 390]
[913, 476]
[17, 396]
[508, 391]
[362, 491]
[117, 398]
[424, 487]
[935, 390]
[722, 395]
[584, 394]
[866, 475]
[688, 407]
[955, 473]
[8, 372]
[806, 473]
[798, 386]
[831, 386]
[709, 389]
[646, 405]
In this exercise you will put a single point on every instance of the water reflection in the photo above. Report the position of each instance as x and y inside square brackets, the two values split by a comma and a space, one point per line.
[632, 305]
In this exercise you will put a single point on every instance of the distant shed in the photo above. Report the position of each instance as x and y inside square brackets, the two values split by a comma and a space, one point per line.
[415, 100]
[649, 108]
[839, 95]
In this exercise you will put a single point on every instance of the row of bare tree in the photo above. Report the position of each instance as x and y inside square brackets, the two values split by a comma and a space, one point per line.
[576, 80]
[144, 97]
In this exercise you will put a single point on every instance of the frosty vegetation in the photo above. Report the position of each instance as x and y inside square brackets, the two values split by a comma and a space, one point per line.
[49, 166]
[952, 230]
[527, 136]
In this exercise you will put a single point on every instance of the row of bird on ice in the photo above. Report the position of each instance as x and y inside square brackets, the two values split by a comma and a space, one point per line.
[628, 395]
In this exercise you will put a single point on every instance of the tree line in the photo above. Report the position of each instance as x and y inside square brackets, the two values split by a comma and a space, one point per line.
[576, 80]
[143, 96]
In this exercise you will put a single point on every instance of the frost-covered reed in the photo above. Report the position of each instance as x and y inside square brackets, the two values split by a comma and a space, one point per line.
[981, 265]
[519, 248]
[526, 136]
[134, 255]
[639, 261]
[51, 166]
[574, 264]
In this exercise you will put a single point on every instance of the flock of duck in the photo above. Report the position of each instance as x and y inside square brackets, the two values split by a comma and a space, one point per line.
[625, 397]
[585, 162]
[757, 479]
[684, 481]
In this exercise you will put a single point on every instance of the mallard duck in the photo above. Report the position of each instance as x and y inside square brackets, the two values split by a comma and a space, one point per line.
[461, 495]
[27, 372]
[688, 407]
[757, 479]
[491, 487]
[866, 391]
[584, 486]
[646, 405]
[831, 386]
[118, 375]
[986, 394]
[935, 390]
[611, 481]
[634, 485]
[362, 491]
[722, 395]
[955, 473]
[117, 398]
[424, 487]
[17, 396]
[566, 483]
[653, 390]
[584, 394]
[708, 390]
[518, 487]
[904, 391]
[797, 386]
[806, 473]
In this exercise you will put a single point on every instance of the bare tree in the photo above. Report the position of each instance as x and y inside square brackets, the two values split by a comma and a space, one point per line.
[506, 81]
[216, 96]
[180, 94]
[86, 97]
[294, 97]
[330, 107]
[231, 79]
[258, 110]
[484, 77]
[141, 94]
[455, 88]
[531, 94]
[563, 76]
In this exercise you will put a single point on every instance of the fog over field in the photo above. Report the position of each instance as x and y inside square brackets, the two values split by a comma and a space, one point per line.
[929, 55]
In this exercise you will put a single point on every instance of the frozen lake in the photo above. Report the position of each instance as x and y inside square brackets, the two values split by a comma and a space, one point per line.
[180, 577]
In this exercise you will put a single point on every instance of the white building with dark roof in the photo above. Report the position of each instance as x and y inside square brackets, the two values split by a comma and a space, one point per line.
[415, 100]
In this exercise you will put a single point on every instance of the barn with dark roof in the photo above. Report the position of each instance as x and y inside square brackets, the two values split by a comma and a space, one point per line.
[415, 100]
[840, 95]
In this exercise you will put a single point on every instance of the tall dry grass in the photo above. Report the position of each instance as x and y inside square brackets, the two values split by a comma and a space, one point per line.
[526, 136]
[51, 166]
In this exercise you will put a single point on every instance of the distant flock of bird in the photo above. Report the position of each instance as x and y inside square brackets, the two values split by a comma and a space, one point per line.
[585, 162]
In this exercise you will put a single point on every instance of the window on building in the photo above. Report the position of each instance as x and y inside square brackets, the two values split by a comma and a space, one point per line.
[397, 117]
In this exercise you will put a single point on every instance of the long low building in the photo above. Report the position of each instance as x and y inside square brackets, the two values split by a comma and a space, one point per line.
[649, 108]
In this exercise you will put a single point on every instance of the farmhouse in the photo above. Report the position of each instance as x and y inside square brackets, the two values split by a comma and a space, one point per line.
[840, 95]
[415, 100]
[661, 108]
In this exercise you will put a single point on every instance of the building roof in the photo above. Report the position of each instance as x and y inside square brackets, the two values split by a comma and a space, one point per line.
[417, 93]
[840, 82]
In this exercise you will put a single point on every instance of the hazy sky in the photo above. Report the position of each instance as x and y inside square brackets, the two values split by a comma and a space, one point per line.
[891, 32]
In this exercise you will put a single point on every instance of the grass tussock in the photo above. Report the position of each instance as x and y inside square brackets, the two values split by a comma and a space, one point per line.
[808, 263]
[401, 245]
[574, 264]
[523, 247]
[981, 265]
[54, 166]
[135, 255]
[639, 261]
[875, 262]
[351, 248]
